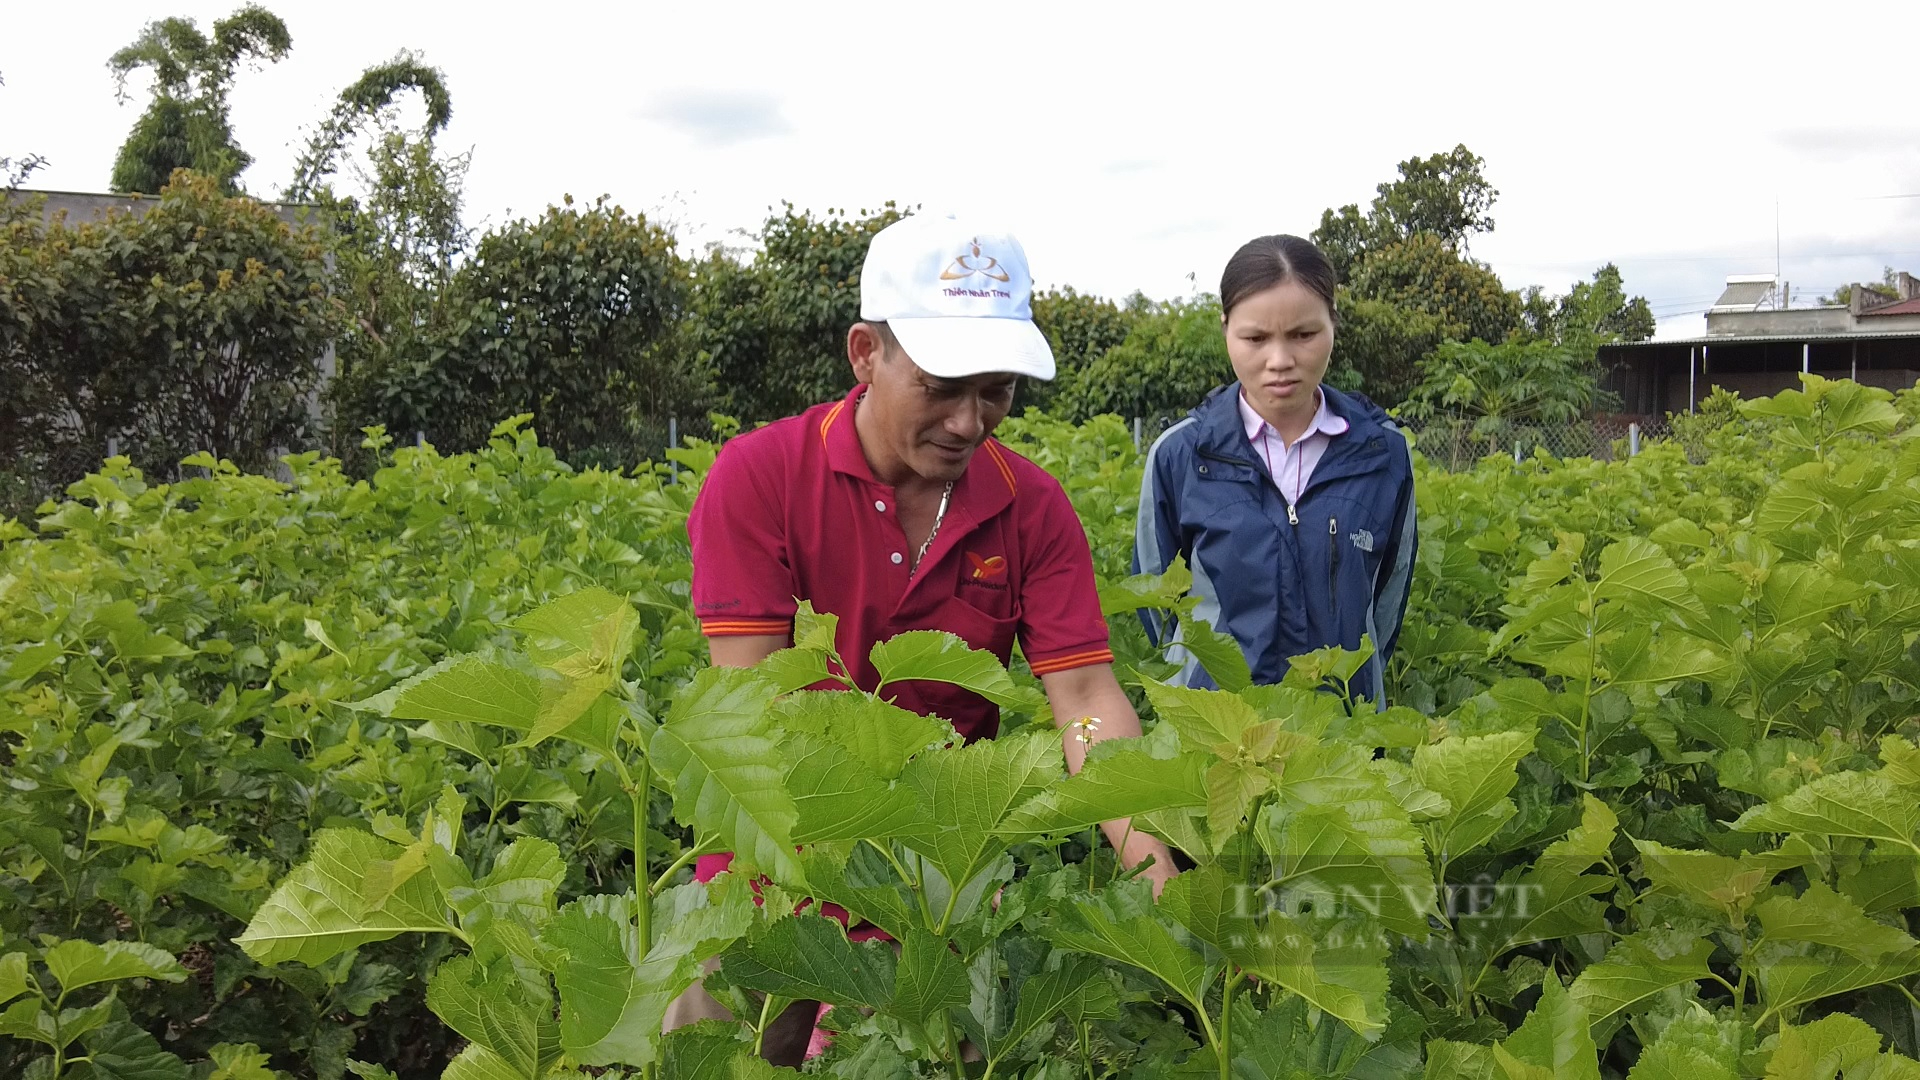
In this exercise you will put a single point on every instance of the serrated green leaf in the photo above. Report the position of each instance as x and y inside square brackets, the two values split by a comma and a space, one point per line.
[1119, 779]
[880, 734]
[1339, 833]
[1347, 981]
[1820, 1050]
[1474, 774]
[1636, 569]
[1205, 719]
[239, 1062]
[1797, 972]
[1050, 993]
[120, 1050]
[1865, 805]
[488, 1005]
[586, 632]
[1715, 882]
[808, 956]
[1448, 1060]
[462, 690]
[968, 793]
[929, 981]
[717, 745]
[1553, 1043]
[794, 669]
[82, 963]
[840, 798]
[1218, 653]
[29, 1018]
[316, 913]
[1825, 917]
[1232, 787]
[1135, 938]
[1694, 1046]
[1639, 967]
[13, 976]
[937, 656]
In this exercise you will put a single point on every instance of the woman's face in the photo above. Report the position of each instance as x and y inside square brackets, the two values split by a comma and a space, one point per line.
[1280, 340]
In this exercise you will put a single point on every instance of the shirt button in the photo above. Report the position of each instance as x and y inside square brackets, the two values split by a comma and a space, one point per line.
[880, 505]
[898, 558]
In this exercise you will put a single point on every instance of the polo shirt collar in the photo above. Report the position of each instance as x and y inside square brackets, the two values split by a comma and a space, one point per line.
[1324, 421]
[986, 488]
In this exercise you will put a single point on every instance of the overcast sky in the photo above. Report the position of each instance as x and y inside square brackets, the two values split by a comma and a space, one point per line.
[1128, 146]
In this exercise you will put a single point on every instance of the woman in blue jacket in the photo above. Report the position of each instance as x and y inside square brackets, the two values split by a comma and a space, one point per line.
[1292, 502]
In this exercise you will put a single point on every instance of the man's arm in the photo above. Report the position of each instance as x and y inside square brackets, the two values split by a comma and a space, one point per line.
[744, 651]
[1093, 691]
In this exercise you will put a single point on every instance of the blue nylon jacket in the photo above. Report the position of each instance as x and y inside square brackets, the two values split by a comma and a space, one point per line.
[1282, 581]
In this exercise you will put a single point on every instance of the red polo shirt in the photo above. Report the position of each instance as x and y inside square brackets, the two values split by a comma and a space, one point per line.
[792, 512]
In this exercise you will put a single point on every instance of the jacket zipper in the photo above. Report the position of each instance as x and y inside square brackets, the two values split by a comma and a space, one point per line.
[1333, 569]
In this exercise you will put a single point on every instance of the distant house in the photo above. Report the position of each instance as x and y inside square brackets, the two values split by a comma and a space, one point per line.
[1755, 346]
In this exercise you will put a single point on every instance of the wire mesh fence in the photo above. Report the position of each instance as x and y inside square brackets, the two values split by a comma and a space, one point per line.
[45, 472]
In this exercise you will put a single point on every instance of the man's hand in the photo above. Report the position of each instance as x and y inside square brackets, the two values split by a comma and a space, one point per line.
[1092, 691]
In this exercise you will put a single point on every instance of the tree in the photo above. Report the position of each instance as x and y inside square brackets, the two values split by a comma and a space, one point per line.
[1445, 195]
[186, 125]
[14, 171]
[773, 330]
[368, 101]
[1885, 290]
[1382, 344]
[569, 318]
[1591, 314]
[1491, 388]
[1424, 274]
[197, 326]
[1170, 359]
[1080, 329]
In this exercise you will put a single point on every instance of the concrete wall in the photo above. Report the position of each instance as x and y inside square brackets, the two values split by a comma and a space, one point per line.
[1826, 320]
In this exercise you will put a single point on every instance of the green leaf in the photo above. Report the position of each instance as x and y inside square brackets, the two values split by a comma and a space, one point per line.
[479, 1063]
[1819, 1050]
[1232, 788]
[1865, 805]
[1218, 653]
[968, 793]
[1793, 973]
[1825, 917]
[488, 1005]
[82, 963]
[839, 798]
[879, 734]
[242, 1062]
[1715, 882]
[795, 669]
[930, 979]
[937, 656]
[1347, 981]
[1694, 1046]
[808, 956]
[717, 745]
[1121, 778]
[13, 976]
[1448, 1060]
[316, 913]
[1339, 833]
[1095, 926]
[1474, 774]
[612, 1000]
[1639, 967]
[1553, 1043]
[1636, 568]
[462, 690]
[1206, 719]
[120, 1050]
[586, 632]
[1050, 993]
[31, 1019]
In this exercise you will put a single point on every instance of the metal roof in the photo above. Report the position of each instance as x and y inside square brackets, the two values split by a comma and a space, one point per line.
[1771, 339]
[1902, 307]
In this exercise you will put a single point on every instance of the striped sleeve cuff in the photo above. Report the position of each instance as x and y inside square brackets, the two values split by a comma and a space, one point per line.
[1084, 658]
[744, 627]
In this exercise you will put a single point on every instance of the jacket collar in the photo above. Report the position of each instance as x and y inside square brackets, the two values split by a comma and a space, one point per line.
[1223, 433]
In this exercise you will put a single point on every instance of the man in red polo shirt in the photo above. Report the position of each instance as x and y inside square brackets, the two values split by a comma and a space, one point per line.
[894, 508]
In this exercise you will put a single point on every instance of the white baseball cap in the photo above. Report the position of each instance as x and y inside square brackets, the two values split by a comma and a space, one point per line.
[957, 296]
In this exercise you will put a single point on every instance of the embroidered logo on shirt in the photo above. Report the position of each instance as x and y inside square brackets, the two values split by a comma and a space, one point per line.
[988, 568]
[1363, 540]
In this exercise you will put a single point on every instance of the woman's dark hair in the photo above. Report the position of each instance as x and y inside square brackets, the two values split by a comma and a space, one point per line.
[1267, 261]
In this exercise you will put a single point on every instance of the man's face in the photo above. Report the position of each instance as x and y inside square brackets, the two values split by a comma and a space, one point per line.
[929, 426]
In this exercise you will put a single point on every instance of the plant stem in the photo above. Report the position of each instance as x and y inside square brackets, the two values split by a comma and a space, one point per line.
[1224, 1051]
[666, 875]
[642, 901]
[953, 1049]
[760, 1029]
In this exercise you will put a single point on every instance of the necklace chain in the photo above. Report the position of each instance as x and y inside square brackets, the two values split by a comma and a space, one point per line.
[940, 515]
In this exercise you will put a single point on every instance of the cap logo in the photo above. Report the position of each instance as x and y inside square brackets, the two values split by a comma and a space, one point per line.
[973, 262]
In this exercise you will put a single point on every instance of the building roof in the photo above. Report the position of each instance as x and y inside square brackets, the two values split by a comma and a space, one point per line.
[1904, 307]
[1771, 339]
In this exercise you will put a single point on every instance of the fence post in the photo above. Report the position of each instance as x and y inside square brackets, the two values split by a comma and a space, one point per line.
[1516, 451]
[1633, 440]
[113, 446]
[673, 440]
[419, 440]
[1136, 434]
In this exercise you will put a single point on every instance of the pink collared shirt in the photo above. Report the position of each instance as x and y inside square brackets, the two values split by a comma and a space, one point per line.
[1292, 466]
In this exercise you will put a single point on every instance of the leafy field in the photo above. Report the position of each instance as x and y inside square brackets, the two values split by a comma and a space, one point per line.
[305, 776]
